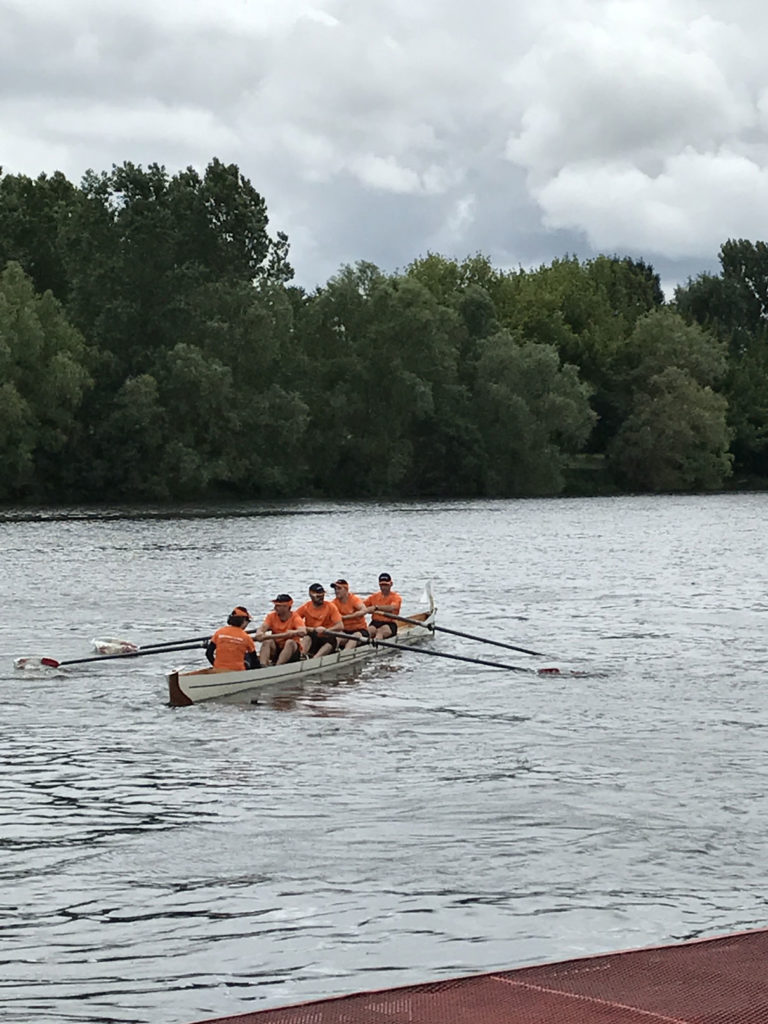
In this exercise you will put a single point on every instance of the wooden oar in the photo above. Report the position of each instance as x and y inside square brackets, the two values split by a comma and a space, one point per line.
[467, 636]
[443, 654]
[53, 663]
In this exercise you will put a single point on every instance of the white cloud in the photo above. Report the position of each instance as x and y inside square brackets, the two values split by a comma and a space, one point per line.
[645, 133]
[378, 130]
[257, 16]
[155, 123]
[694, 204]
[462, 215]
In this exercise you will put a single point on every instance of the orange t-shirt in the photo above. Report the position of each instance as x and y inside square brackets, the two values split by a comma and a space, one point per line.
[349, 606]
[274, 624]
[232, 645]
[319, 617]
[392, 599]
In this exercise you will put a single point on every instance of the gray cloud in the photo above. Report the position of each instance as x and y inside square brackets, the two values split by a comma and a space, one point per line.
[383, 130]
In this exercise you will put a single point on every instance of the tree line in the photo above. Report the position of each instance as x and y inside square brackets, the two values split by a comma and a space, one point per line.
[153, 348]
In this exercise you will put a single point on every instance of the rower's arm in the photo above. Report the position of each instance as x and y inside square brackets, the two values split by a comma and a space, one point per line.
[362, 610]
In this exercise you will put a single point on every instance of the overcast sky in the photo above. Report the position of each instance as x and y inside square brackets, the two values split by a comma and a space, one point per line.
[383, 129]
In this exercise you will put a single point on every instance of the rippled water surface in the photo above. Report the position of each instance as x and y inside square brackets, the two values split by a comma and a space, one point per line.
[421, 818]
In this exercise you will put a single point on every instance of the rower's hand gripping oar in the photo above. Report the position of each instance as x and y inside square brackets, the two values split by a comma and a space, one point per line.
[443, 654]
[467, 636]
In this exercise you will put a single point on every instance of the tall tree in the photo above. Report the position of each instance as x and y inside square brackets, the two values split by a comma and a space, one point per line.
[44, 374]
[383, 354]
[674, 433]
[533, 414]
[734, 305]
[142, 244]
[676, 437]
[32, 212]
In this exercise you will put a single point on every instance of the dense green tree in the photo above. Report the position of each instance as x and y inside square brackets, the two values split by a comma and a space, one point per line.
[746, 264]
[632, 286]
[733, 306]
[533, 413]
[468, 288]
[447, 278]
[383, 354]
[562, 305]
[130, 460]
[674, 433]
[32, 212]
[721, 305]
[142, 245]
[213, 375]
[663, 338]
[746, 389]
[44, 374]
[676, 437]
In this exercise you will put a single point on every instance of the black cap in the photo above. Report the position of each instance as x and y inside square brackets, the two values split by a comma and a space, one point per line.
[340, 583]
[384, 577]
[317, 588]
[283, 599]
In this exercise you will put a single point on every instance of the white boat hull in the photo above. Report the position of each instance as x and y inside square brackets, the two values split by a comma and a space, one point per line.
[190, 686]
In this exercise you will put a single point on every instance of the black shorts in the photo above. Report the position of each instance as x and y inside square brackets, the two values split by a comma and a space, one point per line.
[317, 640]
[385, 622]
[296, 656]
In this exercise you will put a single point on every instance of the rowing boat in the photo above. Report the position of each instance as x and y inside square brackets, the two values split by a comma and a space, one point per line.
[191, 686]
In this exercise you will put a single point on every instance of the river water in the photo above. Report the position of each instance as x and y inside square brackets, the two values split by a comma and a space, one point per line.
[420, 819]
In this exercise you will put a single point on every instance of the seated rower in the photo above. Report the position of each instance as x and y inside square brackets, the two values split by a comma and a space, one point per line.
[231, 649]
[383, 605]
[280, 633]
[322, 620]
[352, 611]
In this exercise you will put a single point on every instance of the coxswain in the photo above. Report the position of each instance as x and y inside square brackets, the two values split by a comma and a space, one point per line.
[231, 649]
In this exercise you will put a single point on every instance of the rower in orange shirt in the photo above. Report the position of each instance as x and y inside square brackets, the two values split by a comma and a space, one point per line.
[286, 628]
[231, 649]
[352, 611]
[383, 605]
[322, 619]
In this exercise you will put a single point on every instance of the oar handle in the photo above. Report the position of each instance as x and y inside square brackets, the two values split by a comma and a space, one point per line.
[175, 643]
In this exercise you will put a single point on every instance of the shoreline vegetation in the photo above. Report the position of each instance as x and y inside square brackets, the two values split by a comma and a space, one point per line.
[154, 351]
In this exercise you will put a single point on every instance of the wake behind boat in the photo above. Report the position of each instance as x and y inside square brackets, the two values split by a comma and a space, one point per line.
[191, 686]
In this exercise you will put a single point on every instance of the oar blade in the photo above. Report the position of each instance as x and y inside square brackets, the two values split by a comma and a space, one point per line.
[113, 645]
[30, 662]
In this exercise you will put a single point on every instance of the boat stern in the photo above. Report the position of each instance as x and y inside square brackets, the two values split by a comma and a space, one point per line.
[176, 696]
